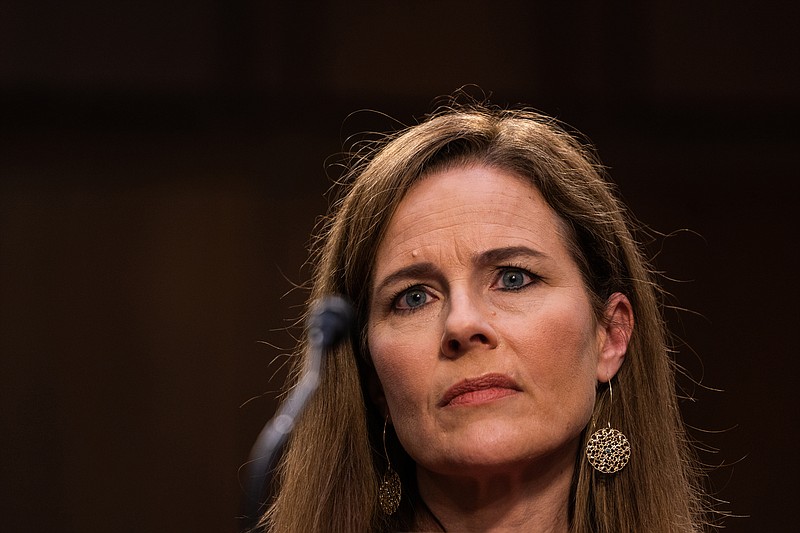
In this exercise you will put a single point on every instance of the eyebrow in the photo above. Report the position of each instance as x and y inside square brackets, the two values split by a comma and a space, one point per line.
[500, 255]
[415, 271]
[486, 258]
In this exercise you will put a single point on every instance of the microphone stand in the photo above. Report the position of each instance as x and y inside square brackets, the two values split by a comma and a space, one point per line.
[274, 435]
[327, 326]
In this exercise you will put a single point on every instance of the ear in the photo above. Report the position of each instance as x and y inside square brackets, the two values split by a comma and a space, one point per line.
[614, 335]
[376, 394]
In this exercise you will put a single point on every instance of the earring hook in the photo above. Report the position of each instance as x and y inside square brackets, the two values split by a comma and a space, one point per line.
[385, 451]
[610, 400]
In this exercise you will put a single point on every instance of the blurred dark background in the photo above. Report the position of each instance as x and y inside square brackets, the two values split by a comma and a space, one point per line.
[162, 165]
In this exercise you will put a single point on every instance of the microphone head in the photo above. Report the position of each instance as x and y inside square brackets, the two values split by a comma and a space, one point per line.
[330, 321]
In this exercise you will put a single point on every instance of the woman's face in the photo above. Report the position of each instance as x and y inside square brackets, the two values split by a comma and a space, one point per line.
[480, 328]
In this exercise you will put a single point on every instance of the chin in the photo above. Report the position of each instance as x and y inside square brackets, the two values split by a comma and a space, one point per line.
[491, 452]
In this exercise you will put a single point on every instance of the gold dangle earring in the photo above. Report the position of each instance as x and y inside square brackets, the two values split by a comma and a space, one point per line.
[608, 450]
[390, 491]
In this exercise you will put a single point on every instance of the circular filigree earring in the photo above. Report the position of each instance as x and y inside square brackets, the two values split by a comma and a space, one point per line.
[390, 490]
[608, 450]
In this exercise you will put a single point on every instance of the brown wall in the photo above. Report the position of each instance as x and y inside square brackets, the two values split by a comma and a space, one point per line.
[161, 168]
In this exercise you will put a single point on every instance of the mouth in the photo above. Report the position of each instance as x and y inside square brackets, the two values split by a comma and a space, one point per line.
[483, 389]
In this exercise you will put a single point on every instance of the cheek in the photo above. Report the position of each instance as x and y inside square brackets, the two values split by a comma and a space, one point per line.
[559, 339]
[579, 377]
[399, 370]
[561, 352]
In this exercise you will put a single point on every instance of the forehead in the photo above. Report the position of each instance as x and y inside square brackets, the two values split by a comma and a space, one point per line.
[468, 209]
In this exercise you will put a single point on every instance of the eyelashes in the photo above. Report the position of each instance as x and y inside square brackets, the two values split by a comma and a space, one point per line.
[506, 279]
[514, 278]
[412, 298]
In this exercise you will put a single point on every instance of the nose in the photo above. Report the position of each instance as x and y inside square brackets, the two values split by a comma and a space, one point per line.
[466, 327]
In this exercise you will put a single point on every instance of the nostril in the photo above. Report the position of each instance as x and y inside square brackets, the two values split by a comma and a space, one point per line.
[481, 338]
[453, 345]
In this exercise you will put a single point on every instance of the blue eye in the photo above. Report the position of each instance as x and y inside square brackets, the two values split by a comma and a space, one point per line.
[514, 278]
[412, 298]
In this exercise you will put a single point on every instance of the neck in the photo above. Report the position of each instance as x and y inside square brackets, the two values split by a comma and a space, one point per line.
[531, 498]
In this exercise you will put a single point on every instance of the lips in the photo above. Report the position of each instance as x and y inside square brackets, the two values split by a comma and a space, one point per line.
[479, 390]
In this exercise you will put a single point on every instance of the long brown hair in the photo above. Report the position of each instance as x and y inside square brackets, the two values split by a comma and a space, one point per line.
[330, 472]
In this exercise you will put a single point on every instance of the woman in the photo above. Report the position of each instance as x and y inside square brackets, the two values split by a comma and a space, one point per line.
[508, 332]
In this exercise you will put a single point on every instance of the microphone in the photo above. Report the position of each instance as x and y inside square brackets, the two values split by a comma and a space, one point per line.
[330, 321]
